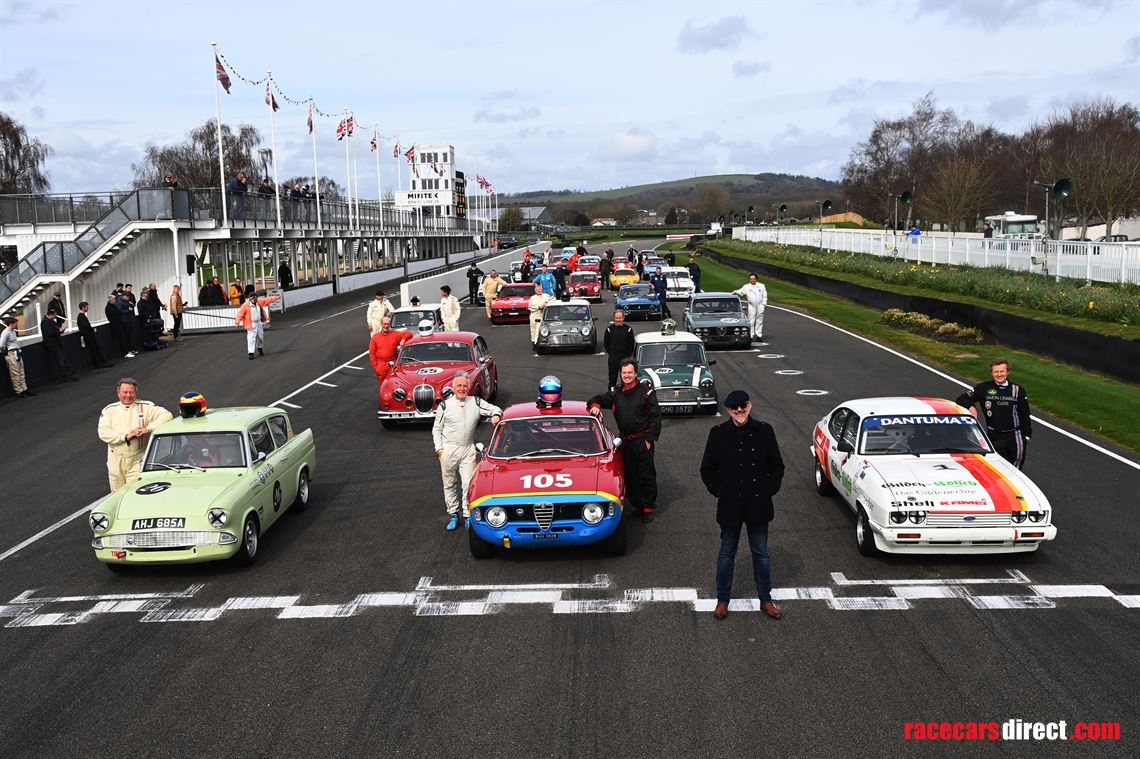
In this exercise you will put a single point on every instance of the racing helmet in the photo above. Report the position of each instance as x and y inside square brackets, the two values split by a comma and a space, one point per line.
[668, 327]
[191, 405]
[425, 327]
[549, 392]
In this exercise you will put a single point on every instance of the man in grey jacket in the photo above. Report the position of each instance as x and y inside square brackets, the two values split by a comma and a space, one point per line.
[454, 437]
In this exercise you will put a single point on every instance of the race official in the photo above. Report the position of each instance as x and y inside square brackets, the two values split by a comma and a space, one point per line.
[449, 309]
[757, 296]
[535, 306]
[1006, 405]
[384, 347]
[254, 315]
[618, 343]
[742, 468]
[491, 286]
[125, 427]
[454, 437]
[638, 419]
[377, 310]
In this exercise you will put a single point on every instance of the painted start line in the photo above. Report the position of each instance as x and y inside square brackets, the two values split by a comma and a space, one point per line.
[430, 600]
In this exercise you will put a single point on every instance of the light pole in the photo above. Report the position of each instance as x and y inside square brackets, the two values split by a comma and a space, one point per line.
[906, 198]
[780, 208]
[824, 205]
[1059, 190]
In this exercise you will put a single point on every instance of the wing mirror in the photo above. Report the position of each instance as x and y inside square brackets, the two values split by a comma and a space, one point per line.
[391, 363]
[617, 442]
[844, 447]
[261, 456]
[712, 362]
[479, 447]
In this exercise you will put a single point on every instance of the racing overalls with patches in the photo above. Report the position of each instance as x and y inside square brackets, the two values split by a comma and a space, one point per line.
[1007, 420]
[454, 436]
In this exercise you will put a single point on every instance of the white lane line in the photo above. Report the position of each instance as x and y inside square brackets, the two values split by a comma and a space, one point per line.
[770, 355]
[302, 389]
[326, 384]
[600, 582]
[330, 316]
[49, 530]
[811, 392]
[788, 372]
[26, 596]
[960, 383]
[357, 368]
[1013, 577]
[290, 405]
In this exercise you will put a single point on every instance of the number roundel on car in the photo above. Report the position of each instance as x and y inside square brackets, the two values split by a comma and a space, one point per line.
[429, 370]
[276, 497]
[153, 487]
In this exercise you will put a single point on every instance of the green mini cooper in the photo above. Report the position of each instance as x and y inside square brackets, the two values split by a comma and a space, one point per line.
[210, 486]
[674, 364]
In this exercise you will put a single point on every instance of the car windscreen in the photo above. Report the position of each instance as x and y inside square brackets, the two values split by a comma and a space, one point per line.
[435, 352]
[516, 291]
[409, 320]
[660, 354]
[635, 291]
[589, 260]
[938, 433]
[195, 450]
[566, 313]
[582, 278]
[547, 436]
[624, 268]
[716, 306]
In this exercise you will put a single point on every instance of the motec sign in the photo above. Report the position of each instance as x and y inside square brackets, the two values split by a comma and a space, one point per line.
[424, 198]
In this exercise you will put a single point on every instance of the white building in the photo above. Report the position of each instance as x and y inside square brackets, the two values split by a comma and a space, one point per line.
[434, 185]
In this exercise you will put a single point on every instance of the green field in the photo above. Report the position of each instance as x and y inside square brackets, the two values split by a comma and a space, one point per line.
[628, 192]
[1092, 401]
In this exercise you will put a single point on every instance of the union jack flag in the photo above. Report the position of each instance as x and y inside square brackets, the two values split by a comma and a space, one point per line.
[411, 154]
[373, 143]
[223, 76]
[340, 131]
[310, 119]
[351, 126]
[269, 99]
[396, 148]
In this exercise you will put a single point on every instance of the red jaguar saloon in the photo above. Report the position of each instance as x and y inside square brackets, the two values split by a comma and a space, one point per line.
[421, 375]
[586, 284]
[510, 306]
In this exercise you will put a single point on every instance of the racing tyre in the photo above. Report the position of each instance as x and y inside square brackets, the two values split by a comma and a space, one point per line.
[615, 543]
[823, 485]
[480, 548]
[864, 537]
[303, 491]
[250, 542]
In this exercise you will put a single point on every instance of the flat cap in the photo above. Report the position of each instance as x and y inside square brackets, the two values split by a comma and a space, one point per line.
[736, 398]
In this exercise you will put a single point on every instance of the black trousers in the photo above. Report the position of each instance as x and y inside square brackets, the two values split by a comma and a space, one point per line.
[472, 292]
[1011, 446]
[93, 350]
[640, 474]
[177, 331]
[615, 368]
[60, 360]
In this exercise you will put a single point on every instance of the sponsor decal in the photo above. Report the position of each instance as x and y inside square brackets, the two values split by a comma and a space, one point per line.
[153, 487]
[962, 503]
[276, 497]
[845, 479]
[1002, 492]
[902, 485]
[265, 473]
[992, 391]
[889, 421]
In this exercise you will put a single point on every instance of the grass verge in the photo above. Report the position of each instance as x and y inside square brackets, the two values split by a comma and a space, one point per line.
[1094, 402]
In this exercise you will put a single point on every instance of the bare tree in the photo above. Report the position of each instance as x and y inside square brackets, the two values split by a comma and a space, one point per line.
[956, 193]
[21, 159]
[711, 201]
[195, 160]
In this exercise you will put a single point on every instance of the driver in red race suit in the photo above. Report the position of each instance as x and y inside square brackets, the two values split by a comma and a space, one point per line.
[384, 347]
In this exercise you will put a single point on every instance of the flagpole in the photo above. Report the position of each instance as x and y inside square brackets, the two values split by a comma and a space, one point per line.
[355, 177]
[316, 174]
[379, 187]
[273, 144]
[221, 156]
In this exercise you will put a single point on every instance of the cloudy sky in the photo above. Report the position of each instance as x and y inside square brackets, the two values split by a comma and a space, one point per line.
[551, 95]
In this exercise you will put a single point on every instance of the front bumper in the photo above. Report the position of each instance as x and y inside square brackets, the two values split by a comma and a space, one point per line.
[166, 546]
[730, 340]
[562, 532]
[408, 415]
[1019, 539]
[566, 341]
[635, 310]
[509, 315]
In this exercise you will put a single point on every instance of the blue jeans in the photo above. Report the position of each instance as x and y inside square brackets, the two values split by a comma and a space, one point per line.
[761, 564]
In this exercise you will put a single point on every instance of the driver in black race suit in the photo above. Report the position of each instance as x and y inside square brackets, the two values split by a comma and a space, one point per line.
[1006, 406]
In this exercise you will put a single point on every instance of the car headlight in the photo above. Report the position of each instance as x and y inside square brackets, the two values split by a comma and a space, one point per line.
[918, 517]
[593, 513]
[496, 516]
[399, 394]
[898, 517]
[217, 517]
[586, 330]
[544, 332]
[99, 521]
[1037, 516]
[1018, 516]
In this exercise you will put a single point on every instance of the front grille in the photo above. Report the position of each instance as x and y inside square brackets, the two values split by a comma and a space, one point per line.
[161, 539]
[424, 398]
[957, 520]
[544, 514]
[685, 394]
[565, 338]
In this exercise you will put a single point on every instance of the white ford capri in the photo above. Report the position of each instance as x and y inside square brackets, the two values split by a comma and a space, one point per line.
[922, 477]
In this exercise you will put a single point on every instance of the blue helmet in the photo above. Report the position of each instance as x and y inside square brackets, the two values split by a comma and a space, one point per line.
[549, 391]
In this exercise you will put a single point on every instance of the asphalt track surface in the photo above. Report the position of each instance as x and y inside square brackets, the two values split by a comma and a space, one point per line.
[366, 629]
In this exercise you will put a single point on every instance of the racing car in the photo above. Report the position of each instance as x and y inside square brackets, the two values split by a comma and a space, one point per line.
[585, 284]
[922, 477]
[510, 307]
[409, 317]
[589, 263]
[678, 283]
[549, 477]
[719, 320]
[639, 301]
[623, 274]
[421, 375]
[211, 484]
[674, 364]
[567, 325]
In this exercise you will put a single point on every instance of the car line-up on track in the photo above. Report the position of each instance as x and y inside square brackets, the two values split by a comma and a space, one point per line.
[420, 376]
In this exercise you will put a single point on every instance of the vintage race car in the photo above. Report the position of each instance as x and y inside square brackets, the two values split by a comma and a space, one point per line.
[209, 487]
[639, 302]
[421, 375]
[922, 477]
[510, 306]
[549, 477]
[585, 284]
[623, 274]
[589, 263]
[567, 325]
[675, 366]
[515, 272]
[678, 283]
[652, 262]
[718, 319]
[409, 317]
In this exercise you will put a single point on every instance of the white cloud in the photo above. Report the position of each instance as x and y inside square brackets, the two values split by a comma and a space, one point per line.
[750, 68]
[726, 34]
[27, 83]
[503, 117]
[633, 144]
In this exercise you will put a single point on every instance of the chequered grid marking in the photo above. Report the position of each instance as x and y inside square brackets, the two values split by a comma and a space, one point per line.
[431, 600]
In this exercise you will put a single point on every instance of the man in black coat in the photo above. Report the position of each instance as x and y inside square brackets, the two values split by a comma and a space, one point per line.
[742, 469]
[53, 342]
[1005, 412]
[90, 339]
[473, 275]
[559, 281]
[56, 304]
[695, 272]
[638, 419]
[618, 343]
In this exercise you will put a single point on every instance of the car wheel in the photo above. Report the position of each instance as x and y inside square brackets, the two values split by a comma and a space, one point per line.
[864, 537]
[616, 543]
[823, 485]
[302, 501]
[250, 541]
[480, 548]
[388, 424]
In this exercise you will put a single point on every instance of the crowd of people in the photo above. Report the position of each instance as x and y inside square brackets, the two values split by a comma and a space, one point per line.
[298, 201]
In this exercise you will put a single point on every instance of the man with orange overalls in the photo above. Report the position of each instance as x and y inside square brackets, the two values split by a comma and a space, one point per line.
[384, 347]
[254, 315]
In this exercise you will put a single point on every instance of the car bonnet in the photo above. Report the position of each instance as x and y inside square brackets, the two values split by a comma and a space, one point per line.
[187, 493]
[674, 375]
[951, 483]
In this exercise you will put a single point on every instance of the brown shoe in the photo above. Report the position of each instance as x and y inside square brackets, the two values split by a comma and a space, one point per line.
[771, 610]
[721, 611]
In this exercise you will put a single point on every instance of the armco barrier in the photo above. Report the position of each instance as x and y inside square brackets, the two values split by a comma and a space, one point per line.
[427, 288]
[1114, 356]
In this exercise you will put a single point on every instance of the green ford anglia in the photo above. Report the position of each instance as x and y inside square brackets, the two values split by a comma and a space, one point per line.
[209, 487]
